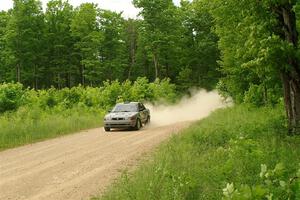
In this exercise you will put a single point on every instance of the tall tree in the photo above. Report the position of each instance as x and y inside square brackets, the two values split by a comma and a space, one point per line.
[159, 30]
[131, 39]
[25, 40]
[60, 43]
[260, 39]
[87, 45]
[4, 54]
[290, 71]
[199, 47]
[112, 48]
[85, 30]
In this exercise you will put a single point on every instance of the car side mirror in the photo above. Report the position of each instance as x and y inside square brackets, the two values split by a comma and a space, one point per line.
[109, 111]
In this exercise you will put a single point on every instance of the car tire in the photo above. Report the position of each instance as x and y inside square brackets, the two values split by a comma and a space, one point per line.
[107, 129]
[138, 125]
[148, 120]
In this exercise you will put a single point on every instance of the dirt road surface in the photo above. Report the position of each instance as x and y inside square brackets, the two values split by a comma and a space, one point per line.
[82, 165]
[76, 166]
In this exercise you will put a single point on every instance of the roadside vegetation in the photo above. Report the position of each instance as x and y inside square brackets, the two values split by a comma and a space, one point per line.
[236, 153]
[28, 115]
[250, 151]
[248, 50]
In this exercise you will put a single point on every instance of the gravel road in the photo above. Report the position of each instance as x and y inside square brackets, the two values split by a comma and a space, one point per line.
[75, 166]
[82, 165]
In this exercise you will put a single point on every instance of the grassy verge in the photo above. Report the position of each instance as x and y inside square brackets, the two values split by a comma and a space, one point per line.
[32, 125]
[227, 147]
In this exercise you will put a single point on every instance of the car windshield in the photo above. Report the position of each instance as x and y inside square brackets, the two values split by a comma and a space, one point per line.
[125, 108]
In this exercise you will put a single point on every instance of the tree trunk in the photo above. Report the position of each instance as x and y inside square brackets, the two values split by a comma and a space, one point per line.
[132, 58]
[155, 60]
[133, 47]
[265, 93]
[18, 73]
[58, 81]
[291, 77]
[82, 75]
[68, 79]
[35, 84]
[292, 102]
[167, 67]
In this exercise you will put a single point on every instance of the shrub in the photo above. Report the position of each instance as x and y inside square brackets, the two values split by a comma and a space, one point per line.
[41, 114]
[11, 96]
[275, 184]
[227, 147]
[163, 90]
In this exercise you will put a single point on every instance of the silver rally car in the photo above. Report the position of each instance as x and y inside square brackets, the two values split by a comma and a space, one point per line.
[127, 115]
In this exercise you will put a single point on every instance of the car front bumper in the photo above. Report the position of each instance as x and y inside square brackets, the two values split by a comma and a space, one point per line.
[119, 123]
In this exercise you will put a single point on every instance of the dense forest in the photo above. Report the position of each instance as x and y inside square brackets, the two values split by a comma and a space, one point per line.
[248, 50]
[66, 46]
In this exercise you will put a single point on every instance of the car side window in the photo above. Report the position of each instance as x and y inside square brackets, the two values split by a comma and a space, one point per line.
[142, 107]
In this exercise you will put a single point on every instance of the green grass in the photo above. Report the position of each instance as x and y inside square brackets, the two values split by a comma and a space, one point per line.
[229, 146]
[29, 125]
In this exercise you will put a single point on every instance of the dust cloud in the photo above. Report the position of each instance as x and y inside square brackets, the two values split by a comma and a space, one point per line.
[199, 105]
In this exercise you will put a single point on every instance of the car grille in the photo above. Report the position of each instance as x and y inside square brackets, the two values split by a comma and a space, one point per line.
[118, 118]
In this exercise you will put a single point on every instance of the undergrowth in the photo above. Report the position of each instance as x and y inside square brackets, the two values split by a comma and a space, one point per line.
[28, 116]
[219, 157]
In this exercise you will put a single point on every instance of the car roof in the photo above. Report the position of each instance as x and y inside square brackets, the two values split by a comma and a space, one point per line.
[128, 103]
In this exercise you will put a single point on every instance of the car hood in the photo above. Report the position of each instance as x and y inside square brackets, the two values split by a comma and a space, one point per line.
[121, 114]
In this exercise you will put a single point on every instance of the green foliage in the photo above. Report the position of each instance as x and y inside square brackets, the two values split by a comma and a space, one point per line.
[84, 28]
[202, 53]
[28, 115]
[60, 44]
[228, 146]
[66, 46]
[183, 79]
[11, 97]
[260, 95]
[25, 40]
[255, 95]
[112, 48]
[274, 185]
[161, 29]
[173, 41]
[163, 90]
[254, 50]
[4, 75]
[140, 90]
[29, 125]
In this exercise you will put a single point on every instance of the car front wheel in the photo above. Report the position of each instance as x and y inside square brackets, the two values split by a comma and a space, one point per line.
[148, 120]
[138, 124]
[107, 129]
